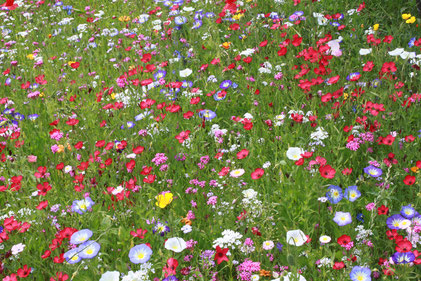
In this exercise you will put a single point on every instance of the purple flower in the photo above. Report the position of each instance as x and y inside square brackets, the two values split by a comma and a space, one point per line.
[342, 218]
[400, 258]
[373, 171]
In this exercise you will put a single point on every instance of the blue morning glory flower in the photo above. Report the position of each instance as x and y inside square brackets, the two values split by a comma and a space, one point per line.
[352, 193]
[359, 273]
[373, 171]
[207, 114]
[394, 221]
[81, 206]
[334, 194]
[89, 249]
[408, 212]
[225, 84]
[80, 236]
[402, 258]
[72, 256]
[140, 254]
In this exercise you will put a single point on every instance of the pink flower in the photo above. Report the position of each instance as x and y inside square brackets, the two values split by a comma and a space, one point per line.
[370, 206]
[32, 159]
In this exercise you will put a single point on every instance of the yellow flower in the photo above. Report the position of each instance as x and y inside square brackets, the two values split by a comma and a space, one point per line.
[70, 62]
[238, 16]
[30, 56]
[406, 16]
[411, 20]
[226, 45]
[164, 199]
[346, 95]
[113, 96]
[376, 27]
[69, 147]
[41, 94]
[124, 18]
[60, 148]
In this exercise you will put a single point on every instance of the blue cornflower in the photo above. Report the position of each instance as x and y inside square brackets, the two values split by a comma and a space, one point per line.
[279, 246]
[352, 193]
[360, 217]
[334, 194]
[160, 228]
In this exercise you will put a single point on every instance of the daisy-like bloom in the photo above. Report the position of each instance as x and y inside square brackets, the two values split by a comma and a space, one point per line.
[110, 276]
[342, 218]
[80, 236]
[352, 193]
[408, 212]
[207, 114]
[89, 249]
[359, 273]
[268, 245]
[72, 256]
[225, 84]
[197, 24]
[401, 258]
[294, 153]
[296, 237]
[140, 254]
[373, 171]
[394, 221]
[237, 173]
[175, 244]
[334, 194]
[324, 239]
[81, 206]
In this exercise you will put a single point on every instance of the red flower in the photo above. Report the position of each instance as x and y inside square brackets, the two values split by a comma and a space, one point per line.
[282, 51]
[344, 240]
[409, 180]
[347, 171]
[368, 66]
[403, 246]
[389, 67]
[72, 122]
[327, 172]
[257, 174]
[139, 233]
[24, 272]
[42, 205]
[221, 255]
[242, 154]
[338, 265]
[182, 136]
[138, 149]
[382, 210]
[224, 171]
[409, 138]
[170, 268]
[9, 5]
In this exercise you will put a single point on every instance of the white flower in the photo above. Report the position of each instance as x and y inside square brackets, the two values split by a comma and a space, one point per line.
[294, 153]
[249, 193]
[255, 277]
[319, 134]
[117, 190]
[325, 239]
[175, 244]
[247, 52]
[290, 276]
[404, 224]
[16, 249]
[237, 173]
[110, 276]
[296, 237]
[186, 229]
[364, 52]
[396, 52]
[186, 72]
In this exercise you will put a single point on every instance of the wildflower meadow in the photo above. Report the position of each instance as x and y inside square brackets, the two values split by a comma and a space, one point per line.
[220, 140]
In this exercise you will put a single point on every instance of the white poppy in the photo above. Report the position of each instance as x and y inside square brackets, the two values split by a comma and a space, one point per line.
[294, 153]
[186, 72]
[175, 244]
[296, 237]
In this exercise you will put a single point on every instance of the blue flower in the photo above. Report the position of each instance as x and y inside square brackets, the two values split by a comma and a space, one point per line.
[80, 236]
[411, 42]
[408, 212]
[180, 20]
[89, 249]
[207, 114]
[359, 273]
[72, 256]
[197, 24]
[352, 193]
[225, 84]
[170, 278]
[342, 218]
[81, 206]
[334, 194]
[394, 221]
[401, 258]
[279, 246]
[373, 171]
[218, 96]
[140, 254]
[360, 217]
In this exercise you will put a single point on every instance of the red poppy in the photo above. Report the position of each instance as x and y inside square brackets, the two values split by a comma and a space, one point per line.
[24, 272]
[338, 265]
[403, 246]
[224, 171]
[182, 136]
[221, 254]
[327, 172]
[409, 180]
[10, 5]
[257, 174]
[344, 240]
[242, 154]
